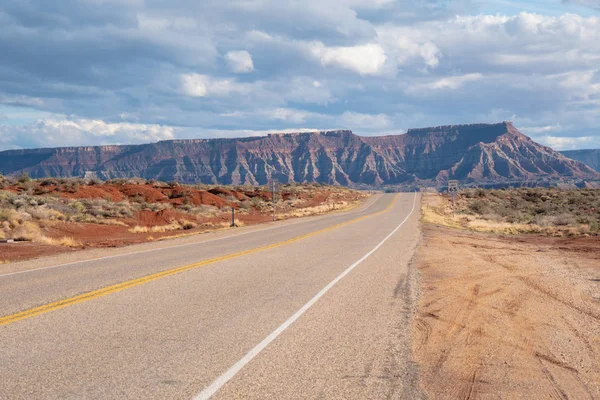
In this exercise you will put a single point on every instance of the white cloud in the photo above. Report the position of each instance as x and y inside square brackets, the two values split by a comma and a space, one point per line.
[569, 143]
[79, 132]
[454, 82]
[409, 48]
[445, 83]
[367, 59]
[198, 85]
[194, 85]
[365, 121]
[240, 62]
[384, 62]
[536, 130]
[288, 115]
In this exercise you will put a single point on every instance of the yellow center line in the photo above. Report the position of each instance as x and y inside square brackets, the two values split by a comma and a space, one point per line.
[57, 305]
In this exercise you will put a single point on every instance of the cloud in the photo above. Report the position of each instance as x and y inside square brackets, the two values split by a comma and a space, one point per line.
[80, 132]
[569, 143]
[256, 65]
[536, 130]
[198, 85]
[452, 82]
[367, 59]
[240, 62]
[361, 121]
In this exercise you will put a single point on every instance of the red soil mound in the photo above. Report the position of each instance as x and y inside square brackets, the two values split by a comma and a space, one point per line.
[94, 192]
[149, 193]
[226, 192]
[164, 217]
[209, 199]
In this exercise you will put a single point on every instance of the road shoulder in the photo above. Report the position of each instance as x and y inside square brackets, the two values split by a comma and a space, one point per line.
[507, 317]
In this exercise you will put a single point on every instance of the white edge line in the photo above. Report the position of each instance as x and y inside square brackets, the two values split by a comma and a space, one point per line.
[218, 383]
[163, 248]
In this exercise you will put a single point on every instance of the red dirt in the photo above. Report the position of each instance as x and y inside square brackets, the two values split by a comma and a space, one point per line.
[149, 193]
[208, 199]
[164, 217]
[318, 199]
[26, 250]
[100, 235]
[108, 192]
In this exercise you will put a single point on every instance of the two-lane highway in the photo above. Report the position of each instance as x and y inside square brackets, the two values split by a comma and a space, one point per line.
[316, 308]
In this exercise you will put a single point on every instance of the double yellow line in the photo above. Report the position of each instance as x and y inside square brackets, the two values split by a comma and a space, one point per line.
[57, 305]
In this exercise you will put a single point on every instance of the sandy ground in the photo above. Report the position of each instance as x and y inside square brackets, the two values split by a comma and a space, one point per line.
[508, 317]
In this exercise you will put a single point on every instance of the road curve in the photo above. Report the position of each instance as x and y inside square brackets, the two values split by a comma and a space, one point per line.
[313, 309]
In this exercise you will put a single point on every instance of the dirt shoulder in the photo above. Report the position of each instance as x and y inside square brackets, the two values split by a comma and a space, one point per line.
[508, 316]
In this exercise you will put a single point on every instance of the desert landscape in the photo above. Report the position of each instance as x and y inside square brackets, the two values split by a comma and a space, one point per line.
[55, 215]
[510, 295]
[476, 154]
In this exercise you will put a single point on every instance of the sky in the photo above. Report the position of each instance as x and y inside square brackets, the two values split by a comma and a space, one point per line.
[89, 72]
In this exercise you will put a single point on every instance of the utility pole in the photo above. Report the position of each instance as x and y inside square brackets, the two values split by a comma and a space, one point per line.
[274, 186]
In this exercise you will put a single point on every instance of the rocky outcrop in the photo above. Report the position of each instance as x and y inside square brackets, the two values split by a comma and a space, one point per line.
[481, 153]
[589, 157]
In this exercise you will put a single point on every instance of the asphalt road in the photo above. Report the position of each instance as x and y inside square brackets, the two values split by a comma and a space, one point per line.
[314, 308]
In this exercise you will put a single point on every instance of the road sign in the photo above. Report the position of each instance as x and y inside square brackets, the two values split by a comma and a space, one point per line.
[453, 187]
[273, 185]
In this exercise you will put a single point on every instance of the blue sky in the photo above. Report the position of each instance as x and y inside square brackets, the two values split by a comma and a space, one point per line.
[87, 72]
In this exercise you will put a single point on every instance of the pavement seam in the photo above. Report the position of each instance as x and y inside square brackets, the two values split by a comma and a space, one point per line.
[46, 308]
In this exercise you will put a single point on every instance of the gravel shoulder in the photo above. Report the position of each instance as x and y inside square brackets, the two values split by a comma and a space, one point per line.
[507, 316]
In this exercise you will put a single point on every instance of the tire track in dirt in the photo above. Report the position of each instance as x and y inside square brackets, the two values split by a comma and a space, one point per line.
[534, 285]
[499, 319]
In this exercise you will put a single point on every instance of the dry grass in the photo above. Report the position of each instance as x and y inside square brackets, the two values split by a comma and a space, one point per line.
[64, 241]
[339, 206]
[479, 217]
[237, 223]
[174, 226]
[30, 231]
[182, 235]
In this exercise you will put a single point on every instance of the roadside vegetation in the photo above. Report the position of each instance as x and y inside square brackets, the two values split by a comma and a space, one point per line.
[34, 210]
[547, 211]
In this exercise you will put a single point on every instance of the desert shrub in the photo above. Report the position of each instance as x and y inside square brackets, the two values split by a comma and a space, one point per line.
[23, 178]
[177, 194]
[49, 182]
[5, 214]
[563, 220]
[186, 225]
[543, 207]
[26, 231]
[117, 181]
[45, 213]
[478, 207]
[78, 206]
[257, 202]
